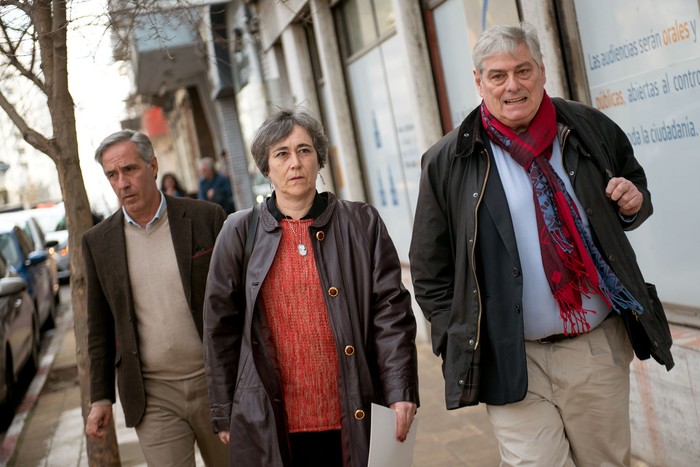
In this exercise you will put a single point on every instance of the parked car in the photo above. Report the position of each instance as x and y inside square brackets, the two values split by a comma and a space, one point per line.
[33, 265]
[28, 222]
[53, 222]
[19, 332]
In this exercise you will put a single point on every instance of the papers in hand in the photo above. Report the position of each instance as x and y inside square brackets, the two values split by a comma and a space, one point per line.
[384, 449]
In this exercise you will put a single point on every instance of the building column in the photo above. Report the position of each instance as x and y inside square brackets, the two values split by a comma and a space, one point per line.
[409, 25]
[301, 82]
[235, 152]
[543, 17]
[347, 161]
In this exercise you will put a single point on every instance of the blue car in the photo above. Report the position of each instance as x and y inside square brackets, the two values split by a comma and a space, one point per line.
[31, 262]
[28, 221]
[19, 334]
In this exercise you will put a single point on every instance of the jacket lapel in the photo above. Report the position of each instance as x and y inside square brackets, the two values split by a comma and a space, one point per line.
[113, 241]
[181, 232]
[497, 206]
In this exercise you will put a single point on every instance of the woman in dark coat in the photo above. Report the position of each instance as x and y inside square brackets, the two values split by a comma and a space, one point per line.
[318, 326]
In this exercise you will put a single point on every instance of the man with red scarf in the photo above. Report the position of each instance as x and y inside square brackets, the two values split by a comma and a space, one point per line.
[520, 261]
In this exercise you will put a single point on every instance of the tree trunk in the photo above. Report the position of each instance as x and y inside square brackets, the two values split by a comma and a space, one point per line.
[50, 22]
[104, 452]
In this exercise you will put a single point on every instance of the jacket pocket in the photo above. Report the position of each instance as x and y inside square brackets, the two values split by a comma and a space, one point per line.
[470, 384]
[654, 336]
[661, 321]
[248, 377]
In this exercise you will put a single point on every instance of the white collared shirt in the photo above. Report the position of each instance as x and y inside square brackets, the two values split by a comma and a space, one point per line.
[540, 310]
[158, 214]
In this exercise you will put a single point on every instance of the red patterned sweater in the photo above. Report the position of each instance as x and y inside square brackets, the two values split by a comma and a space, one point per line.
[295, 309]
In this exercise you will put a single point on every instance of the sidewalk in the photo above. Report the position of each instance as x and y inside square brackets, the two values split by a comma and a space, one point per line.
[48, 430]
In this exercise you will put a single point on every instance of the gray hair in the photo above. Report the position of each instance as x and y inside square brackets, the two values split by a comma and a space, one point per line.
[506, 40]
[278, 126]
[144, 148]
[207, 162]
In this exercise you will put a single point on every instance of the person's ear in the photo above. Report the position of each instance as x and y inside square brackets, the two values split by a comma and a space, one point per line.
[477, 81]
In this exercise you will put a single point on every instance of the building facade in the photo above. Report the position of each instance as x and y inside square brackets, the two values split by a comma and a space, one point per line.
[388, 78]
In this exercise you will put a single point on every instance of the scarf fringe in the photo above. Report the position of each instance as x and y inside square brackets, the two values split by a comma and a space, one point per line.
[571, 311]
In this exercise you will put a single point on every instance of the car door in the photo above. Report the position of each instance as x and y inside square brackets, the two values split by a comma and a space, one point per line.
[36, 262]
[17, 315]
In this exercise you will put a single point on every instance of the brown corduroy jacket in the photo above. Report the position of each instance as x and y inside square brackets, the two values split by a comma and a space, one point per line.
[112, 335]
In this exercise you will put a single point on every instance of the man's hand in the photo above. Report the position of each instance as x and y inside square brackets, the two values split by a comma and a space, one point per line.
[223, 436]
[405, 411]
[629, 199]
[100, 416]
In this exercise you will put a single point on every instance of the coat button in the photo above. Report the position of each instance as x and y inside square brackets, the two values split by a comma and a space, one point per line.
[471, 342]
[589, 211]
[571, 174]
[320, 235]
[333, 292]
[349, 350]
[475, 195]
[516, 272]
[460, 382]
[359, 414]
[611, 258]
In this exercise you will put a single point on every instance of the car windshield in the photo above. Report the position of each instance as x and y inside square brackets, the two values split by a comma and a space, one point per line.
[7, 248]
[50, 219]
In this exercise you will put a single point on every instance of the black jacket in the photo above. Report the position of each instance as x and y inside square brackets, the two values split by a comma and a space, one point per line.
[370, 315]
[450, 230]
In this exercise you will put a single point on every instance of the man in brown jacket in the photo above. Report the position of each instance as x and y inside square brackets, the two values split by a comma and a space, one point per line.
[146, 273]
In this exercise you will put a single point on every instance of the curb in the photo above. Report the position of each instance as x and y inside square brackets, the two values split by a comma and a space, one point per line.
[14, 432]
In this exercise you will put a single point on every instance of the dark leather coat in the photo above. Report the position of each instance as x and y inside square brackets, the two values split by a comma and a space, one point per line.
[449, 284]
[112, 334]
[370, 315]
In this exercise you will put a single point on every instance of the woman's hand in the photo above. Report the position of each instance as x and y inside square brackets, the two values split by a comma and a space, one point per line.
[405, 411]
[223, 436]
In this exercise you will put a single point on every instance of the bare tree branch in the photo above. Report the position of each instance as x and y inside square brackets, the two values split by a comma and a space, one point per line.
[41, 18]
[30, 135]
[10, 51]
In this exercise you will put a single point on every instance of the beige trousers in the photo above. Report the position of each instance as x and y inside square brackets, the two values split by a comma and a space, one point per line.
[576, 411]
[177, 415]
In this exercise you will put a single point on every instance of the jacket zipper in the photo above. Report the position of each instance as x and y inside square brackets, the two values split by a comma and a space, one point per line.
[473, 248]
[563, 141]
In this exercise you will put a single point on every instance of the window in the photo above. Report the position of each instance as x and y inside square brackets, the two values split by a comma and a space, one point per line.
[363, 22]
[7, 248]
[24, 243]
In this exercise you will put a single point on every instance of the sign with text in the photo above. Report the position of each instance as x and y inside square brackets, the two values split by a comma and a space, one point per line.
[642, 60]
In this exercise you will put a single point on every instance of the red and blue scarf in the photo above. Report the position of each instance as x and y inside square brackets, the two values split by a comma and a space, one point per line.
[572, 263]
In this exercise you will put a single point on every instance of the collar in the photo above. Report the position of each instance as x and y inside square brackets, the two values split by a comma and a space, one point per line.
[159, 213]
[319, 205]
[471, 133]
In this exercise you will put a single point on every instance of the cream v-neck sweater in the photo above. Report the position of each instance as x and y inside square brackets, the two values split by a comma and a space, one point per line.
[169, 345]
